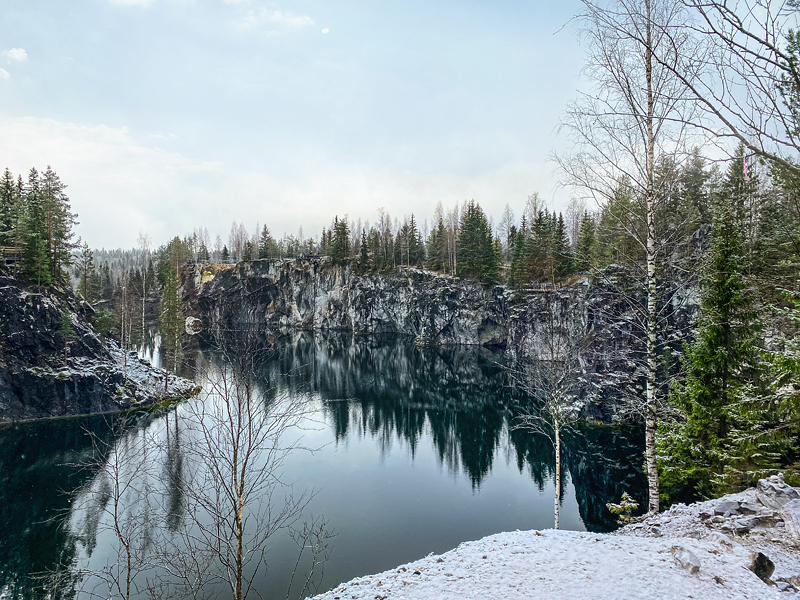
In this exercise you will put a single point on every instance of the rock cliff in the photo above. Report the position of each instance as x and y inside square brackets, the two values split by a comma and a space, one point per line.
[437, 310]
[52, 363]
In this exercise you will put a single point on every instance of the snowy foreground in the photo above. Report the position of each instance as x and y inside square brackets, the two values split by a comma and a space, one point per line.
[703, 551]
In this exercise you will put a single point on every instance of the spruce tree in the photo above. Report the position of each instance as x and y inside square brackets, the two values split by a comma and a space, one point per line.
[518, 276]
[87, 281]
[340, 245]
[585, 247]
[171, 320]
[8, 208]
[364, 260]
[35, 265]
[706, 452]
[59, 221]
[476, 256]
[265, 243]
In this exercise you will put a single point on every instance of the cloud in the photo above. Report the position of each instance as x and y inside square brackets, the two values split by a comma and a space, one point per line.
[326, 30]
[17, 54]
[117, 184]
[4, 74]
[120, 183]
[264, 16]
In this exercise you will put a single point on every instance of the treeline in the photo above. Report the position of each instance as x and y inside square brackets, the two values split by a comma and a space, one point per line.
[36, 224]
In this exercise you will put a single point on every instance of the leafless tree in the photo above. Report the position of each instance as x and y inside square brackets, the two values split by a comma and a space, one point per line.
[576, 208]
[507, 225]
[236, 499]
[635, 117]
[748, 80]
[554, 376]
[117, 500]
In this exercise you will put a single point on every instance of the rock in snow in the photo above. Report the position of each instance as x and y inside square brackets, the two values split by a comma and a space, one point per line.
[690, 557]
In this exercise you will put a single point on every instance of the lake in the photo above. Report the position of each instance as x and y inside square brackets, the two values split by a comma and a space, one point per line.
[408, 451]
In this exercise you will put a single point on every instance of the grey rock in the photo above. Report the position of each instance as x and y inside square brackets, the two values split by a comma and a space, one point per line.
[44, 373]
[726, 507]
[790, 514]
[686, 559]
[706, 514]
[762, 566]
[721, 539]
[774, 492]
[750, 508]
[744, 524]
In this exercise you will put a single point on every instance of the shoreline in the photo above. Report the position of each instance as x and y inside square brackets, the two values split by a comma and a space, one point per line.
[708, 550]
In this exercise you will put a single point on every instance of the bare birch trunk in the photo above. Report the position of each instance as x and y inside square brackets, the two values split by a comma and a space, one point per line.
[557, 503]
[650, 407]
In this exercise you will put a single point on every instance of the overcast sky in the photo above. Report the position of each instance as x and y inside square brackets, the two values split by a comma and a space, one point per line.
[165, 115]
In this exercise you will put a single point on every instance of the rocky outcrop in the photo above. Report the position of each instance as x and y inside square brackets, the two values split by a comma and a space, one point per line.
[52, 363]
[433, 308]
[314, 294]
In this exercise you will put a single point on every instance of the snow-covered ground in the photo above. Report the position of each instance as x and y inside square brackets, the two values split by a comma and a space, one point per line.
[687, 552]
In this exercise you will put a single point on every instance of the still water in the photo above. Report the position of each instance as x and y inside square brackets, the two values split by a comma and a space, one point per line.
[408, 451]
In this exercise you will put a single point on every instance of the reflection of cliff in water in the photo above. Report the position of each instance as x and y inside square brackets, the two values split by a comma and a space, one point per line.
[459, 395]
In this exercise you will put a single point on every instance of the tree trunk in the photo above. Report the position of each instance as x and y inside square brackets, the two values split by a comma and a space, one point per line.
[652, 315]
[557, 502]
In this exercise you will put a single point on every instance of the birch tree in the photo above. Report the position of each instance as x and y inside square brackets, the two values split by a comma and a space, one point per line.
[749, 84]
[238, 438]
[634, 117]
[554, 378]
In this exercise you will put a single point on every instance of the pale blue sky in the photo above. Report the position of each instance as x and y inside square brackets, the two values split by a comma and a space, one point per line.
[164, 115]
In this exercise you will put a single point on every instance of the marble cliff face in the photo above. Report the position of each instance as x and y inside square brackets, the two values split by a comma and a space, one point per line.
[53, 363]
[438, 310]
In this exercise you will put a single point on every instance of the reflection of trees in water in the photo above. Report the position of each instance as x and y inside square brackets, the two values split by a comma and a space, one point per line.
[39, 473]
[388, 388]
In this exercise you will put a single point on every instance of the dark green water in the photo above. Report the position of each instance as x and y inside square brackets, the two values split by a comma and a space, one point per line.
[415, 454]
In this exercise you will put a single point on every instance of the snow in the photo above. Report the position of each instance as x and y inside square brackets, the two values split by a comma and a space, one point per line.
[656, 559]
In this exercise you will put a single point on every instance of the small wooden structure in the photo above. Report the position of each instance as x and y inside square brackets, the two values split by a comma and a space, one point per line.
[12, 256]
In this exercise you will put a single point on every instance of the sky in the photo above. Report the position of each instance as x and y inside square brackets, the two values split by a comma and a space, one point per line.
[166, 115]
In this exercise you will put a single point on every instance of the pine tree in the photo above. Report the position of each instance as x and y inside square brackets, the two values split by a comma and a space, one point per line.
[226, 255]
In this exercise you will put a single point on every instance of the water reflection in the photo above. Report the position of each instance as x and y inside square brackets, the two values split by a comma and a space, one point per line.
[386, 387]
[421, 434]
